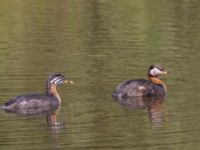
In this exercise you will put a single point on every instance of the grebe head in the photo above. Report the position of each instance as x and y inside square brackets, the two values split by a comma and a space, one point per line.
[57, 79]
[155, 70]
[53, 80]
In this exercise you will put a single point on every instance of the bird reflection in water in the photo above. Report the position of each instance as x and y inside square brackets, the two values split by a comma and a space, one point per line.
[154, 105]
[50, 111]
[142, 93]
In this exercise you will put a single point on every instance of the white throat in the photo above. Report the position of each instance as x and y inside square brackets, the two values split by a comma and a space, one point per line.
[155, 72]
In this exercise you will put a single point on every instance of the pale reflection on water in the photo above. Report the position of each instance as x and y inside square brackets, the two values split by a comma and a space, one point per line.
[153, 105]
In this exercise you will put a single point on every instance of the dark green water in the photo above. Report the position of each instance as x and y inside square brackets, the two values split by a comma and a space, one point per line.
[98, 44]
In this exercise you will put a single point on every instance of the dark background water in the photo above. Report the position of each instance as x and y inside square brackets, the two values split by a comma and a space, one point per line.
[98, 44]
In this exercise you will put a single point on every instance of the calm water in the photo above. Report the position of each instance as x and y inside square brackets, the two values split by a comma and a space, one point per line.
[98, 44]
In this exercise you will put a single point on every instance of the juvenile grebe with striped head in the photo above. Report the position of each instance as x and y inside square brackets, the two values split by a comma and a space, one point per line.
[141, 87]
[42, 101]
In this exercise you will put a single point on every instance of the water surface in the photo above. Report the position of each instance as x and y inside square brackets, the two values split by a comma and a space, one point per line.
[99, 44]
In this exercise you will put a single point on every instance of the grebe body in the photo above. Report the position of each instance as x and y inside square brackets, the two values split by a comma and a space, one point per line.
[31, 101]
[141, 87]
[38, 102]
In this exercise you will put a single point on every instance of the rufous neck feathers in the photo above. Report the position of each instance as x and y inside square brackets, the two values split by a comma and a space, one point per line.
[53, 91]
[156, 80]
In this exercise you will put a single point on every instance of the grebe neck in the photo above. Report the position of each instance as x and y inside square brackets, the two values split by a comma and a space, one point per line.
[156, 80]
[51, 90]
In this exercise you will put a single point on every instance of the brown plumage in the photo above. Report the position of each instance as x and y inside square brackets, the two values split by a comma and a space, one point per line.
[141, 87]
[33, 104]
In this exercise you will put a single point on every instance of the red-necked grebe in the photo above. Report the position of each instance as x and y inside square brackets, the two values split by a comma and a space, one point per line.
[141, 87]
[29, 101]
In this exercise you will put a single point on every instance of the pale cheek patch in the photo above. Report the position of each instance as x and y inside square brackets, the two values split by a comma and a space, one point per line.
[155, 72]
[56, 80]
